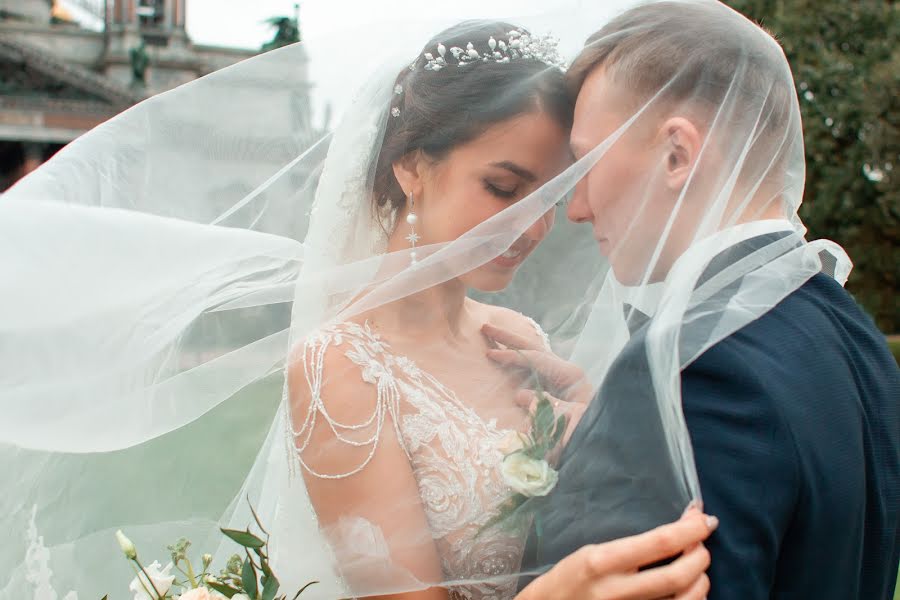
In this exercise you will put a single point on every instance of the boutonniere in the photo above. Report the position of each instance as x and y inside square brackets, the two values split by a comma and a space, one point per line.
[526, 468]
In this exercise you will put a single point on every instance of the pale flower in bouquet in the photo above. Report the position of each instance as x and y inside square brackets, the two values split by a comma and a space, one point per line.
[248, 577]
[152, 579]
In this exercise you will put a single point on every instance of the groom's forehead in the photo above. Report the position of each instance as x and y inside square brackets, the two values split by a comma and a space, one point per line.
[601, 103]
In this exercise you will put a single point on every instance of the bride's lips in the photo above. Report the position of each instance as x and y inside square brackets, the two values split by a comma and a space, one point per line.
[513, 257]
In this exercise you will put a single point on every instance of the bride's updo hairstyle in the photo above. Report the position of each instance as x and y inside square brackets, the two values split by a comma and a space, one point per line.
[436, 110]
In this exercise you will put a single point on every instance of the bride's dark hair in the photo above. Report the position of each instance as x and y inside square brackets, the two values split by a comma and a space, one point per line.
[439, 110]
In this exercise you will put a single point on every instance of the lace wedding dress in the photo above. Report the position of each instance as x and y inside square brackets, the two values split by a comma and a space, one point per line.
[455, 456]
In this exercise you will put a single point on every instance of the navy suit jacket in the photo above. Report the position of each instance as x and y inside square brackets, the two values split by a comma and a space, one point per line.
[795, 425]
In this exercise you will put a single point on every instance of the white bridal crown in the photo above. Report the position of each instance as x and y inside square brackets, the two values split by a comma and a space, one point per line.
[519, 45]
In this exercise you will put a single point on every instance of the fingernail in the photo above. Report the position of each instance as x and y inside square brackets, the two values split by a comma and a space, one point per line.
[712, 522]
[692, 505]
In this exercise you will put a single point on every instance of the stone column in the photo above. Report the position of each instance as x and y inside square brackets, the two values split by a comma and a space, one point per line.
[169, 8]
[34, 157]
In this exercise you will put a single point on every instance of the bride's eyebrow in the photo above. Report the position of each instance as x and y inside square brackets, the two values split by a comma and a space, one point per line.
[516, 169]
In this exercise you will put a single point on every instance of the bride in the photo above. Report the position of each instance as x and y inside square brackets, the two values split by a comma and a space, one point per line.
[438, 183]
[392, 439]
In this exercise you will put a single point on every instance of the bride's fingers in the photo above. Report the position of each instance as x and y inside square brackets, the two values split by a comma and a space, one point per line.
[528, 400]
[508, 338]
[556, 371]
[675, 578]
[655, 545]
[698, 591]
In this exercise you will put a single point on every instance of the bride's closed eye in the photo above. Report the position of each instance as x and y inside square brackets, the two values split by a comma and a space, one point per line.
[504, 192]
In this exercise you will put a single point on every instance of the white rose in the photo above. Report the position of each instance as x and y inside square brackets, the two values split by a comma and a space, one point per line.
[161, 579]
[202, 593]
[511, 442]
[240, 597]
[528, 476]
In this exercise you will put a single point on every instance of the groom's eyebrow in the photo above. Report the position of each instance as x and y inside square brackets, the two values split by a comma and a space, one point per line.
[516, 169]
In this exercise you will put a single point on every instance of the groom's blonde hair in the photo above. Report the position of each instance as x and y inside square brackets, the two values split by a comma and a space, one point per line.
[694, 52]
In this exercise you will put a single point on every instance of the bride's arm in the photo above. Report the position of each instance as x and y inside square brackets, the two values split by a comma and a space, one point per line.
[373, 518]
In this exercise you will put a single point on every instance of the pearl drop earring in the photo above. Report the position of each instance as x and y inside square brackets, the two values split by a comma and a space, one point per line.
[412, 219]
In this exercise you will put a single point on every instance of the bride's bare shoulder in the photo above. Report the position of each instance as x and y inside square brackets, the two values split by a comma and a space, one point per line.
[333, 359]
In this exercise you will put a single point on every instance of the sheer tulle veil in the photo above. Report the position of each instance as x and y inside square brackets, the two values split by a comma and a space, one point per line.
[160, 272]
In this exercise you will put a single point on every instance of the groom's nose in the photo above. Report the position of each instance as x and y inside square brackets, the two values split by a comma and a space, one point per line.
[578, 210]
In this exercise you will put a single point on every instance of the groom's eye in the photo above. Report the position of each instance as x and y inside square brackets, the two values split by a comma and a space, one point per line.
[501, 191]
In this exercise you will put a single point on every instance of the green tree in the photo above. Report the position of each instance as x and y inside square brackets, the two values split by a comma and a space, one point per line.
[846, 63]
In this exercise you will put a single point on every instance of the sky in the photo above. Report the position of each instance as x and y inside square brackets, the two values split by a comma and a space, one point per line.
[341, 36]
[336, 31]
[235, 22]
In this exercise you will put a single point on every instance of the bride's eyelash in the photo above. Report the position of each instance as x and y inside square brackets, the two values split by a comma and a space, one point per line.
[500, 192]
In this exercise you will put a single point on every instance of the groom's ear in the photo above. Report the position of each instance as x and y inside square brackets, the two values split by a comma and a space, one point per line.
[408, 172]
[682, 144]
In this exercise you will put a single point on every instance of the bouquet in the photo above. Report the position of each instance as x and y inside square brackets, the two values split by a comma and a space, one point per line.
[247, 577]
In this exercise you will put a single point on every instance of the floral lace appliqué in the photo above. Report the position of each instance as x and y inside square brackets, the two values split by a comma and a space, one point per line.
[454, 453]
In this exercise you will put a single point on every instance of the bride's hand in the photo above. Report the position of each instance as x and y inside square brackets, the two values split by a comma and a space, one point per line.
[528, 400]
[564, 379]
[611, 570]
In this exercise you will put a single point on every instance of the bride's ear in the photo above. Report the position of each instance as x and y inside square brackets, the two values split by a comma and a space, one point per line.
[682, 144]
[408, 172]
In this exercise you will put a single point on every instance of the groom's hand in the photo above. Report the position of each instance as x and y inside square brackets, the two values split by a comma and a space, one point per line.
[614, 569]
[561, 378]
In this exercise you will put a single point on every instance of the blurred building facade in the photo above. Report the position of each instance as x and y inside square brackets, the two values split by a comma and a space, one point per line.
[66, 66]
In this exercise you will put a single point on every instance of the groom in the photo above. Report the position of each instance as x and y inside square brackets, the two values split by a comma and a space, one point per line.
[793, 418]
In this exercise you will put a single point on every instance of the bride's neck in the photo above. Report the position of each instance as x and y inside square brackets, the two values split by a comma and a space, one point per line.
[438, 311]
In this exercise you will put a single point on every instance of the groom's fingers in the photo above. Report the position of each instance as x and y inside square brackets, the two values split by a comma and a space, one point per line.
[655, 545]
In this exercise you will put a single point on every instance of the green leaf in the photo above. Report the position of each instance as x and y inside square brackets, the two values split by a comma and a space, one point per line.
[303, 589]
[256, 517]
[225, 590]
[561, 424]
[536, 452]
[266, 569]
[244, 538]
[248, 578]
[270, 588]
[543, 419]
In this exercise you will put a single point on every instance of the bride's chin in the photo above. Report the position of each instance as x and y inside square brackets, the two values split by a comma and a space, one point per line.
[486, 279]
